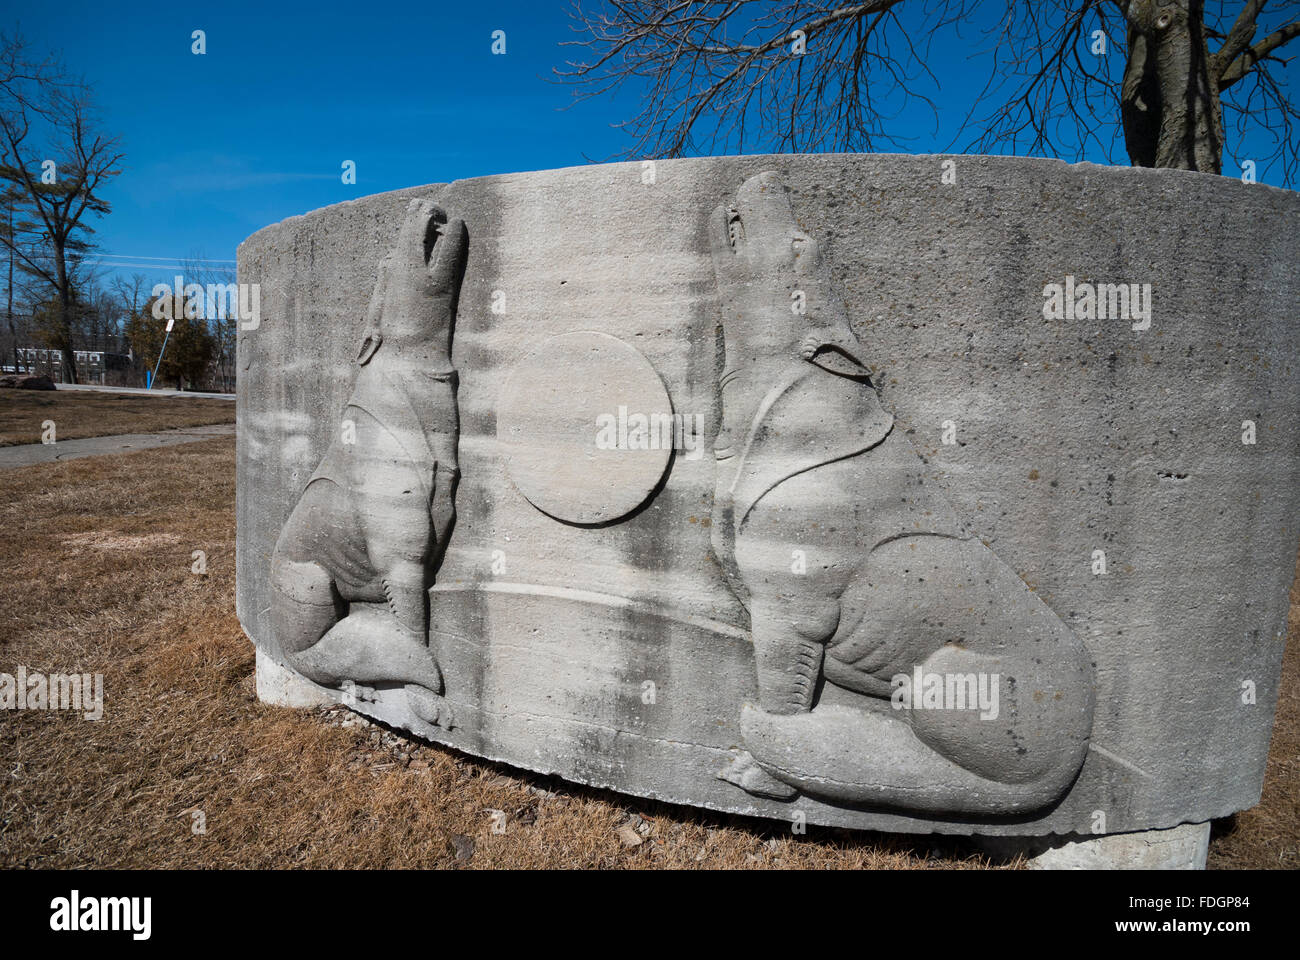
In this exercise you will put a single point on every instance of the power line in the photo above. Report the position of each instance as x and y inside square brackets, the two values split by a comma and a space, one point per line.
[124, 256]
[127, 256]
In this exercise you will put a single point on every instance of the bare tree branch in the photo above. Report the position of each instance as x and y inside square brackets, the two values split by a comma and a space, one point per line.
[1068, 77]
[1238, 38]
[1256, 54]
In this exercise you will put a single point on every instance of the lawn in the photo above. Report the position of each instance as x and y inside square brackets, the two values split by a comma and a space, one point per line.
[85, 413]
[96, 559]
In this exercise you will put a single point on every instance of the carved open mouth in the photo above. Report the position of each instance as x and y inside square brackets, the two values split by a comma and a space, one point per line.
[735, 229]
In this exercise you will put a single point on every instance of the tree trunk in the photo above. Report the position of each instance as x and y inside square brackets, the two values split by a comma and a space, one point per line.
[64, 320]
[13, 331]
[1169, 102]
[65, 335]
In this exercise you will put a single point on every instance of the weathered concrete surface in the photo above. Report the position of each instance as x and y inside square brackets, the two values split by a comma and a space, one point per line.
[26, 454]
[1071, 437]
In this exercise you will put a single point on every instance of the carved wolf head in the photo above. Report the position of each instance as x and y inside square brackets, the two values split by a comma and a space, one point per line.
[413, 307]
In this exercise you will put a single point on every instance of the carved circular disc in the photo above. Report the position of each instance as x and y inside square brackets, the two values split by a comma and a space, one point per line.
[549, 416]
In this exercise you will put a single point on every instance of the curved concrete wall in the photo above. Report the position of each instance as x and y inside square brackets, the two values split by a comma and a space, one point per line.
[1072, 436]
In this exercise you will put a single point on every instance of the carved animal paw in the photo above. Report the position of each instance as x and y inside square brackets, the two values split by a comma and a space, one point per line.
[359, 693]
[430, 707]
[745, 773]
[812, 342]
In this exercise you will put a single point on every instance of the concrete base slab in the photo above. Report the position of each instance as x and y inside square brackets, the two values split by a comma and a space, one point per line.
[1179, 848]
[281, 687]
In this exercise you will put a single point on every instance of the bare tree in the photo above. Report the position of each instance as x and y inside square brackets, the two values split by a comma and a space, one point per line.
[55, 163]
[223, 323]
[727, 75]
[130, 292]
[9, 228]
[105, 318]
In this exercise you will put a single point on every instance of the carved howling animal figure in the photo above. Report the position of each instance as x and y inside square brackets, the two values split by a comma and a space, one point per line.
[856, 572]
[353, 564]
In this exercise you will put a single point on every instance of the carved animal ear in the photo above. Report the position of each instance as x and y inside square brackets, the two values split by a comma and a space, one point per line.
[369, 344]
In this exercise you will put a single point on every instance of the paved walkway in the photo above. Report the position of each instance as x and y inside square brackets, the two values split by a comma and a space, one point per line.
[141, 391]
[27, 454]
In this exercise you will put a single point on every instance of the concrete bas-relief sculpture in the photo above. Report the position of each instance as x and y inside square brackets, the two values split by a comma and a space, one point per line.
[352, 567]
[780, 487]
[808, 461]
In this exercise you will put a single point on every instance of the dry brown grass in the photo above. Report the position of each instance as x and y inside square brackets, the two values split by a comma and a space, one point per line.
[95, 556]
[84, 413]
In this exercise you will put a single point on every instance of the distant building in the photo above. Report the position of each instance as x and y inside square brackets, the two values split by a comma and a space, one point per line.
[93, 366]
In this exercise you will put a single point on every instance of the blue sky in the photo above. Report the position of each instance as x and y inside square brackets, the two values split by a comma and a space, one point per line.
[218, 146]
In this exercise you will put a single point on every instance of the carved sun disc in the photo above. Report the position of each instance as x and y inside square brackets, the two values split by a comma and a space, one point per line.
[549, 419]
